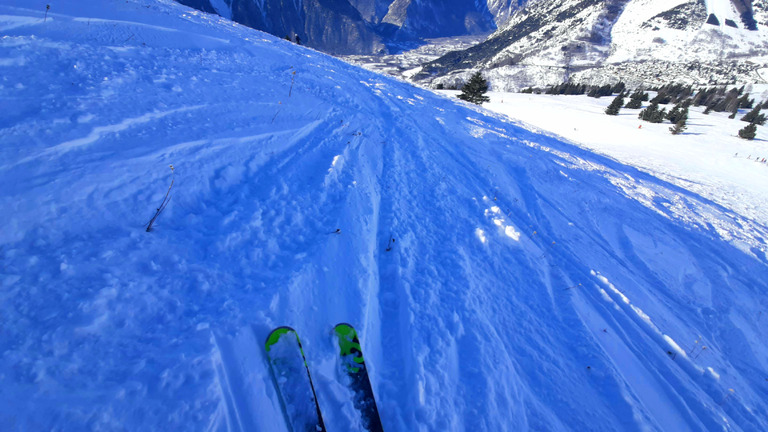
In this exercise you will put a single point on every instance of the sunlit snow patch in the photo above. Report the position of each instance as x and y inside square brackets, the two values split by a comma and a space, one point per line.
[498, 219]
[333, 163]
[675, 346]
[481, 235]
[337, 164]
[714, 374]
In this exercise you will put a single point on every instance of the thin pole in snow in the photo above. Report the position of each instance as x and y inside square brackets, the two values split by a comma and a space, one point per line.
[390, 243]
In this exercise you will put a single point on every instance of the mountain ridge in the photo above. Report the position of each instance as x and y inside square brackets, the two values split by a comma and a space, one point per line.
[586, 40]
[363, 26]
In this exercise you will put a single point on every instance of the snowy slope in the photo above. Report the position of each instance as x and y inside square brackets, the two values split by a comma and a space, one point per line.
[708, 158]
[533, 285]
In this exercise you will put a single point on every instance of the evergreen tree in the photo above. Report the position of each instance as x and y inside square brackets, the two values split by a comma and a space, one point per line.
[674, 114]
[678, 116]
[662, 98]
[678, 128]
[749, 132]
[754, 117]
[653, 114]
[649, 113]
[673, 93]
[745, 102]
[597, 92]
[615, 106]
[732, 104]
[681, 115]
[474, 90]
[722, 104]
[704, 97]
[636, 99]
[634, 104]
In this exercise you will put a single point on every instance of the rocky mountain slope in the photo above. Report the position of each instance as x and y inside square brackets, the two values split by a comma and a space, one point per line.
[329, 25]
[639, 41]
[363, 26]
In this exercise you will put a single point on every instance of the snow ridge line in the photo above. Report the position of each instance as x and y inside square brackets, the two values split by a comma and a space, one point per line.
[707, 379]
[99, 132]
[130, 23]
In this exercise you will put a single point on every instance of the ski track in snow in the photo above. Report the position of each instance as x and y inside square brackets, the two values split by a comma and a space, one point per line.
[499, 278]
[722, 184]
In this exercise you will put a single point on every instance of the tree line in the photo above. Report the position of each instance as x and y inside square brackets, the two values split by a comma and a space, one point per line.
[681, 96]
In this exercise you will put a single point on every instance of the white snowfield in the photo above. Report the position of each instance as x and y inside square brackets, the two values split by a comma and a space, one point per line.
[532, 284]
[709, 158]
[633, 39]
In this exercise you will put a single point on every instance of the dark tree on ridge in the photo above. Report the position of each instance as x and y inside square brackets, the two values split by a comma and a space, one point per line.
[474, 90]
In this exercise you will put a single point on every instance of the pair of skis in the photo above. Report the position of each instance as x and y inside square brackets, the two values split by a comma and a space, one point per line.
[294, 382]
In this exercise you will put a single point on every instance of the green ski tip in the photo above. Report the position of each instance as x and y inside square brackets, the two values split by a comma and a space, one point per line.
[276, 335]
[349, 345]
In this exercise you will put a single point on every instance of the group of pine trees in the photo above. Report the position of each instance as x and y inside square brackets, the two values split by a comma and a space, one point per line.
[678, 115]
[715, 99]
[754, 117]
[570, 88]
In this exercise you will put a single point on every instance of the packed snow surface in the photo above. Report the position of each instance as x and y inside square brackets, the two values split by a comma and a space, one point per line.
[707, 158]
[530, 284]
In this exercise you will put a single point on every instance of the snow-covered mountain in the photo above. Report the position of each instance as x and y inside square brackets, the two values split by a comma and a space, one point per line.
[642, 42]
[529, 284]
[363, 26]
